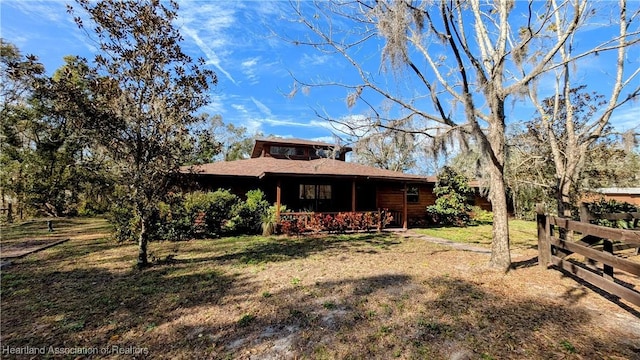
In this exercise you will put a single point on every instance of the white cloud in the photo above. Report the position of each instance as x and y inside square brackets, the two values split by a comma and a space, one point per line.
[262, 107]
[47, 10]
[253, 126]
[240, 108]
[250, 70]
[216, 106]
[212, 58]
[287, 123]
[314, 60]
[326, 139]
[250, 62]
[627, 117]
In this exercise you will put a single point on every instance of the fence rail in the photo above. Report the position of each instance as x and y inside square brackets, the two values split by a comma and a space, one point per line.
[557, 240]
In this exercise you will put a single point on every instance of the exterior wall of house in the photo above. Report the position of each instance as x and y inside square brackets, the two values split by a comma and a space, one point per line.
[628, 198]
[300, 152]
[484, 203]
[290, 194]
[390, 196]
[370, 195]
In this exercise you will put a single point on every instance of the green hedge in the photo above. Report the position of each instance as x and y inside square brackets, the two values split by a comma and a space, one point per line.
[197, 214]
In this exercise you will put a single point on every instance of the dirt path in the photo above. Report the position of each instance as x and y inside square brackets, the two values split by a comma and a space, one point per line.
[22, 239]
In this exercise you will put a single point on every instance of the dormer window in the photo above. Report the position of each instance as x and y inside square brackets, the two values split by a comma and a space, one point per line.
[286, 151]
[328, 154]
[297, 149]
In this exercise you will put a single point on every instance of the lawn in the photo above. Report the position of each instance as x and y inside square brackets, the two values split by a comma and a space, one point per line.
[522, 234]
[64, 228]
[349, 296]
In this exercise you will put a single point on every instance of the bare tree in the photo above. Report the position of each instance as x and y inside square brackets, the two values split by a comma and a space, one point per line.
[579, 115]
[386, 149]
[457, 62]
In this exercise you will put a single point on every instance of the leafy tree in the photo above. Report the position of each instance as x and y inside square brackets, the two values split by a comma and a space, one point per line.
[47, 160]
[612, 162]
[19, 75]
[219, 141]
[452, 203]
[149, 90]
[387, 149]
[69, 166]
[457, 63]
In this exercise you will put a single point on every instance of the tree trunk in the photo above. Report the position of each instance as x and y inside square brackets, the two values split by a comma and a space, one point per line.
[500, 255]
[564, 198]
[142, 243]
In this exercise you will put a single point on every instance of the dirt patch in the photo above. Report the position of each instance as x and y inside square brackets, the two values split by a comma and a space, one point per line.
[20, 249]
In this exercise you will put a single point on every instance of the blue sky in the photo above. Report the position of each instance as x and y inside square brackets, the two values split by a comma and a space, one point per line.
[253, 65]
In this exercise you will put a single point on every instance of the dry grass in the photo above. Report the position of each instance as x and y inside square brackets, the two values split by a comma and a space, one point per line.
[352, 297]
[35, 233]
[522, 234]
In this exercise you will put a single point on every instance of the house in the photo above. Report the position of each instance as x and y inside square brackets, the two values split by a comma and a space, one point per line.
[310, 176]
[629, 195]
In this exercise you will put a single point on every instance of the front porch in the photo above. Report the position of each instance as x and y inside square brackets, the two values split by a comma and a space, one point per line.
[306, 197]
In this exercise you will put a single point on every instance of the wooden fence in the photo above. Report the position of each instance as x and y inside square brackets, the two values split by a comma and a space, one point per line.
[560, 237]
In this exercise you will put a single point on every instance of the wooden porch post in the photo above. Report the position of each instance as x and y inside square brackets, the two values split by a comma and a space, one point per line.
[353, 195]
[405, 221]
[278, 198]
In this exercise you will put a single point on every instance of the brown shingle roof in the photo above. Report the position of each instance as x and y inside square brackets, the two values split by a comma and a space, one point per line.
[265, 166]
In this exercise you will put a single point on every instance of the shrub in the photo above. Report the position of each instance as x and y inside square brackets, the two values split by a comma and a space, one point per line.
[125, 223]
[173, 221]
[453, 194]
[481, 216]
[214, 208]
[270, 221]
[602, 206]
[293, 226]
[247, 216]
[383, 218]
[338, 223]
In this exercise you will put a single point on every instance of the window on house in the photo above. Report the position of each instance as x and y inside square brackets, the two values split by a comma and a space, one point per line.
[413, 194]
[307, 191]
[328, 154]
[286, 151]
[324, 191]
[310, 192]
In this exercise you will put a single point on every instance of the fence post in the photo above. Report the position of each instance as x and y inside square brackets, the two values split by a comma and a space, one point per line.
[544, 247]
[9, 213]
[607, 270]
